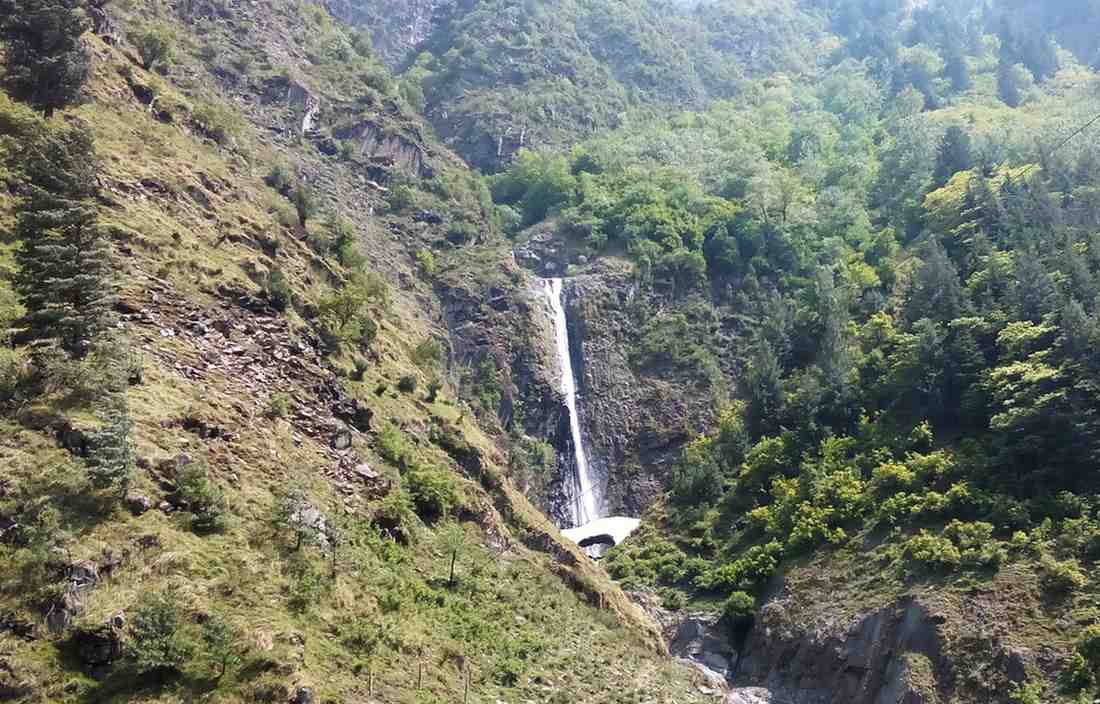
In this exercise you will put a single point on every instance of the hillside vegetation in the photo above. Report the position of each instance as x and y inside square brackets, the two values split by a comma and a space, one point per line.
[886, 280]
[279, 417]
[235, 464]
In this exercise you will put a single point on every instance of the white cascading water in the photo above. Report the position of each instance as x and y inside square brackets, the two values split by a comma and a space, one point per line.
[585, 506]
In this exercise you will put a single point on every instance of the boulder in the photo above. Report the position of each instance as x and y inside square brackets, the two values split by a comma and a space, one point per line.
[702, 639]
[304, 695]
[341, 439]
[748, 695]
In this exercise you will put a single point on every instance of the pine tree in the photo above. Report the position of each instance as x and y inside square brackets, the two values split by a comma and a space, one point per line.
[954, 155]
[956, 68]
[46, 62]
[65, 271]
[111, 457]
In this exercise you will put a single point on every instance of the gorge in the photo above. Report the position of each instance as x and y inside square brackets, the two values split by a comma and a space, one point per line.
[564, 351]
[590, 527]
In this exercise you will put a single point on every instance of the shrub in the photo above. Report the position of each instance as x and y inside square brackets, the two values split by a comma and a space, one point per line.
[392, 445]
[460, 233]
[752, 569]
[428, 353]
[977, 547]
[359, 368]
[407, 384]
[401, 198]
[1077, 674]
[157, 643]
[15, 375]
[812, 526]
[278, 406]
[1061, 577]
[738, 613]
[435, 385]
[204, 499]
[931, 551]
[157, 46]
[1088, 645]
[281, 178]
[304, 202]
[278, 290]
[890, 477]
[425, 259]
[434, 491]
[219, 122]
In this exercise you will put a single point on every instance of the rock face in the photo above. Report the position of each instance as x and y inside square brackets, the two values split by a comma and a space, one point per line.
[499, 321]
[700, 638]
[894, 655]
[397, 27]
[635, 419]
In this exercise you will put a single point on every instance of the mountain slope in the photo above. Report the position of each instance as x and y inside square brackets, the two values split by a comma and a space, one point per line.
[330, 487]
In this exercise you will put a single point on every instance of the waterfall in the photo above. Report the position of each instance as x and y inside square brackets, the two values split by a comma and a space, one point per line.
[585, 505]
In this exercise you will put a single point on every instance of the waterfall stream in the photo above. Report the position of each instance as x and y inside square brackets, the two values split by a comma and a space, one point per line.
[584, 506]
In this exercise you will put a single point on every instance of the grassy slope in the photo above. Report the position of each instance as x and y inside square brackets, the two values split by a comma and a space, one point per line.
[513, 617]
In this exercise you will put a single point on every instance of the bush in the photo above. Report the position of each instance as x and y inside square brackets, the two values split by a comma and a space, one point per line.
[156, 45]
[281, 178]
[738, 613]
[220, 645]
[305, 203]
[425, 259]
[434, 491]
[977, 547]
[359, 368]
[407, 384]
[435, 385]
[393, 446]
[278, 406]
[219, 122]
[1061, 577]
[932, 551]
[15, 374]
[203, 498]
[755, 566]
[428, 353]
[401, 198]
[157, 643]
[1088, 645]
[278, 290]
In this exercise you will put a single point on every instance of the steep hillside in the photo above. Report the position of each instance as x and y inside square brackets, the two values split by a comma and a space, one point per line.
[876, 293]
[495, 76]
[315, 515]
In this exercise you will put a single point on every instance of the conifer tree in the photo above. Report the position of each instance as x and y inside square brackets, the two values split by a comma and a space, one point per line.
[46, 62]
[64, 280]
[111, 457]
[954, 155]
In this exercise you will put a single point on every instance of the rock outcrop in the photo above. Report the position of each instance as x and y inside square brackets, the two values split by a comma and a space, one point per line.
[893, 655]
[397, 27]
[636, 419]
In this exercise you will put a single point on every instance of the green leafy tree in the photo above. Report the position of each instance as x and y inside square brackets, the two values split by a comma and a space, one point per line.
[452, 543]
[65, 271]
[46, 63]
[220, 644]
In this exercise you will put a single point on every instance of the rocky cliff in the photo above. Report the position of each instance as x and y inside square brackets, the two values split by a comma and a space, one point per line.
[396, 28]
